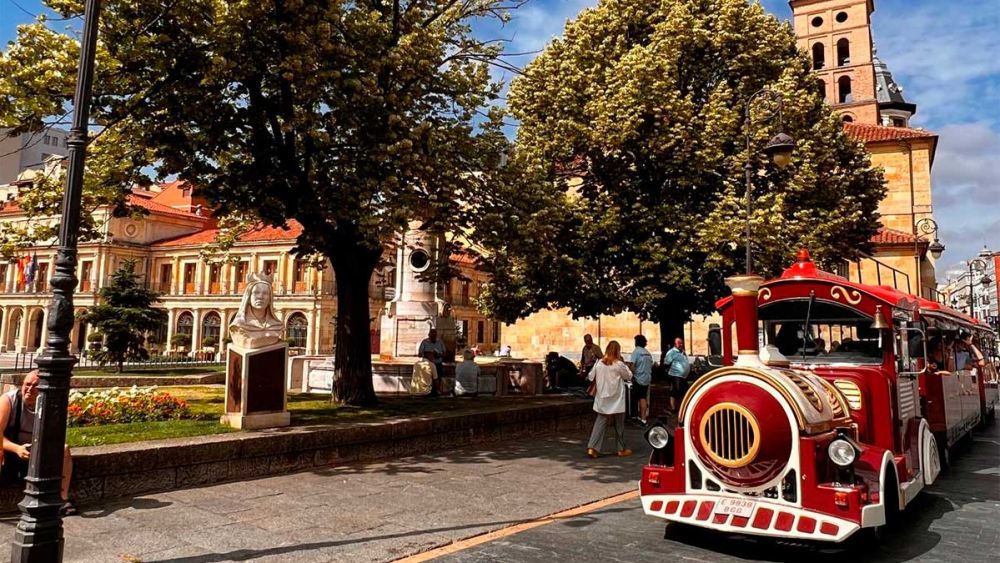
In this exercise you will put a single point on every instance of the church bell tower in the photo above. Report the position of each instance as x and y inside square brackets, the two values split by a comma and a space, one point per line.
[837, 35]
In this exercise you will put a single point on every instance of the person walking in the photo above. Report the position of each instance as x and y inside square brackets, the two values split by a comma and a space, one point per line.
[642, 365]
[609, 374]
[589, 356]
[678, 366]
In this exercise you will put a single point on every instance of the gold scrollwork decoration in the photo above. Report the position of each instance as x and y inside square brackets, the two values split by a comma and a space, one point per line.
[852, 296]
[764, 294]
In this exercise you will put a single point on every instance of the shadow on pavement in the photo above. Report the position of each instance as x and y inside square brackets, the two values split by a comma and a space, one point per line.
[248, 554]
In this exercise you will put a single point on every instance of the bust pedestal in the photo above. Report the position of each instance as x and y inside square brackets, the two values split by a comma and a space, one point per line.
[255, 387]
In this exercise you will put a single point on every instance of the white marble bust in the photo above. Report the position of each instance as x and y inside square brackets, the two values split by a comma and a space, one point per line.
[255, 325]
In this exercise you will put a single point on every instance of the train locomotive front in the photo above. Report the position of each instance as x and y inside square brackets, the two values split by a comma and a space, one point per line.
[764, 449]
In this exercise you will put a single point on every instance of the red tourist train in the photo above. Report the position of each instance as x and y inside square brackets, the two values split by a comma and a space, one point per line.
[795, 442]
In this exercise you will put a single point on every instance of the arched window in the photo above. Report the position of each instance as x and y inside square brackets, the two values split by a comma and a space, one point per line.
[844, 90]
[298, 329]
[210, 329]
[847, 119]
[821, 88]
[843, 52]
[185, 324]
[819, 56]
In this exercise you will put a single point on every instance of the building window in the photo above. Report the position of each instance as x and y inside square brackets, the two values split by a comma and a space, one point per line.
[819, 56]
[3, 277]
[166, 276]
[185, 324]
[847, 119]
[300, 276]
[480, 332]
[189, 271]
[844, 95]
[210, 330]
[465, 293]
[86, 270]
[898, 122]
[298, 330]
[817, 21]
[821, 88]
[463, 329]
[841, 17]
[42, 278]
[843, 52]
[214, 278]
[270, 267]
[241, 275]
[496, 332]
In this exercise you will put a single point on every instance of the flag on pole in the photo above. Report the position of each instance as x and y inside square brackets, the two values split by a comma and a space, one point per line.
[20, 271]
[32, 269]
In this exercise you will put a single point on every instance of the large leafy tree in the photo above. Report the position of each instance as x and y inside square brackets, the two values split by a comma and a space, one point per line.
[124, 316]
[350, 117]
[631, 147]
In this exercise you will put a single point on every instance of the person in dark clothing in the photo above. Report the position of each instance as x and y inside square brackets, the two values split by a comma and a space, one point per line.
[17, 418]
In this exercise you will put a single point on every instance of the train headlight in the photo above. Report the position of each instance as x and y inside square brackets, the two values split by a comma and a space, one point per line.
[658, 437]
[842, 452]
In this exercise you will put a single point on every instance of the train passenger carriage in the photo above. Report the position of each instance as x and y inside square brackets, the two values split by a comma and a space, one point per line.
[796, 440]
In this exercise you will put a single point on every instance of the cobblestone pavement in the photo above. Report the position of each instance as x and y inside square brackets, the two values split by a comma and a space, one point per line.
[958, 519]
[362, 512]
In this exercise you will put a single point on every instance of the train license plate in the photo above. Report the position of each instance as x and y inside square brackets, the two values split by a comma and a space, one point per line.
[736, 507]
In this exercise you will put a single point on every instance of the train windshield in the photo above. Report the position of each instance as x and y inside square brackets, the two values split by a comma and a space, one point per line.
[834, 335]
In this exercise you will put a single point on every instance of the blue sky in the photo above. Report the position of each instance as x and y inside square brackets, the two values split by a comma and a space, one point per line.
[945, 54]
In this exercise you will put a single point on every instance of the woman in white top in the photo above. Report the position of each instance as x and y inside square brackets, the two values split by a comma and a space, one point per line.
[610, 375]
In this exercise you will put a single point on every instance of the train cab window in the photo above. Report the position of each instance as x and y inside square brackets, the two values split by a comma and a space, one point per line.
[910, 347]
[835, 335]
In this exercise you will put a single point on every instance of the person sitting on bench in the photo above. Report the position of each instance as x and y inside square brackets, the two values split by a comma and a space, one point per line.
[17, 419]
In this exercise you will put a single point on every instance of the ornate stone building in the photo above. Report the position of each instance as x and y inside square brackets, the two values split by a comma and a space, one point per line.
[202, 296]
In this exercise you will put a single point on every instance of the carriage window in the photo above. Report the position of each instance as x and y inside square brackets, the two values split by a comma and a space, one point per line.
[835, 335]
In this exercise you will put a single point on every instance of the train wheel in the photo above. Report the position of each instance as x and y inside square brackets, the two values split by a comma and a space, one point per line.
[868, 539]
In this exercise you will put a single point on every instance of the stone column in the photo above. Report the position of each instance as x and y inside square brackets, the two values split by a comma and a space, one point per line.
[196, 330]
[25, 327]
[175, 276]
[171, 319]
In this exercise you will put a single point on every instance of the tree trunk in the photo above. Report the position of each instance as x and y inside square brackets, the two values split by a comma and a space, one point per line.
[352, 345]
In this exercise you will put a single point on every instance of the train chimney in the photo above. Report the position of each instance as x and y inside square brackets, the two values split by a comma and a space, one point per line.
[745, 290]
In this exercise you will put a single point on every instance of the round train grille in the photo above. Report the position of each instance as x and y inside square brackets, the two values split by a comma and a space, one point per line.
[730, 435]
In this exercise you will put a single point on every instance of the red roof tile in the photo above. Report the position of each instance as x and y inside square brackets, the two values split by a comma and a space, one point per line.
[259, 234]
[880, 133]
[160, 209]
[892, 236]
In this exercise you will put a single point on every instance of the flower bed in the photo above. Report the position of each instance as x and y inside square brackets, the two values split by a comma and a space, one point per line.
[116, 406]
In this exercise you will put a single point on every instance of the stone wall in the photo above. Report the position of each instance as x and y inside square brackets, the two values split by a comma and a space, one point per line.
[107, 472]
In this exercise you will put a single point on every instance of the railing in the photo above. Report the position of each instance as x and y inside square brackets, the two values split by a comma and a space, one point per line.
[26, 362]
[934, 295]
[890, 273]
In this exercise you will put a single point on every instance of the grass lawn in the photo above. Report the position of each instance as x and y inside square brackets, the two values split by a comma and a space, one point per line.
[206, 403]
[173, 371]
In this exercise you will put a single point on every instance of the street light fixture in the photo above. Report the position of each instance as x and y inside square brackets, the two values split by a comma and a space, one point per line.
[980, 265]
[39, 533]
[928, 226]
[779, 149]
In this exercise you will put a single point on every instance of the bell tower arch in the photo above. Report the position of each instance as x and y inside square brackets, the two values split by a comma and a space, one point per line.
[837, 35]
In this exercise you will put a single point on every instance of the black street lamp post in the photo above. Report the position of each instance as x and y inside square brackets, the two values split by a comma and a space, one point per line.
[925, 226]
[39, 534]
[779, 148]
[980, 265]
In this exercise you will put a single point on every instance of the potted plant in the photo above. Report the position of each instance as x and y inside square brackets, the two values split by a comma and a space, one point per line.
[180, 341]
[209, 342]
[95, 340]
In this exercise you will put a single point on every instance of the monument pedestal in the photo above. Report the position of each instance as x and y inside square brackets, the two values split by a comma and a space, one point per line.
[255, 387]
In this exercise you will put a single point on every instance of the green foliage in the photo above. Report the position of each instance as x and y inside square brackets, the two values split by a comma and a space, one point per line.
[124, 316]
[630, 158]
[209, 342]
[349, 117]
[180, 340]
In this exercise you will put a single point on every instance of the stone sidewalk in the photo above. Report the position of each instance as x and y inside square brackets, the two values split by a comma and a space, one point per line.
[360, 512]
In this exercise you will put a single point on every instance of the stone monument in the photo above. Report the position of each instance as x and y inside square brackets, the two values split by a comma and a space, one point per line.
[255, 362]
[418, 304]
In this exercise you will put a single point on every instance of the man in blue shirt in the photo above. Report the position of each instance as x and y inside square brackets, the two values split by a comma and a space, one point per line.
[642, 367]
[678, 366]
